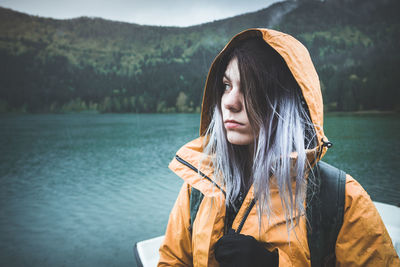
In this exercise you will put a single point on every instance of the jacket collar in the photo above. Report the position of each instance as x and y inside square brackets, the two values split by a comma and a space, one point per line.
[195, 168]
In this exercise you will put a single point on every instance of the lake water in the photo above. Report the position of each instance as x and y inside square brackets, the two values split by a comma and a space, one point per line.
[81, 189]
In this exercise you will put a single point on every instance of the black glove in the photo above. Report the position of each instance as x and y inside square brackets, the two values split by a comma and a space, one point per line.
[237, 250]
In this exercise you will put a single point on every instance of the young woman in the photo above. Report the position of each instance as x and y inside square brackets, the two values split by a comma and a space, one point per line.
[261, 136]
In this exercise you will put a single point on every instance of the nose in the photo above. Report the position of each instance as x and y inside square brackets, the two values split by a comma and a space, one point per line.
[233, 100]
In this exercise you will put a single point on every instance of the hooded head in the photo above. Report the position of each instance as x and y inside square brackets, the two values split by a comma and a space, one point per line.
[281, 96]
[298, 61]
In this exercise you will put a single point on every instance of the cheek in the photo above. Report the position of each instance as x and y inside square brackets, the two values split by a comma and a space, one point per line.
[223, 111]
[222, 102]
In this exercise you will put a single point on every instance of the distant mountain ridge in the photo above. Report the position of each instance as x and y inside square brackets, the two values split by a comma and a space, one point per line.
[49, 65]
[98, 34]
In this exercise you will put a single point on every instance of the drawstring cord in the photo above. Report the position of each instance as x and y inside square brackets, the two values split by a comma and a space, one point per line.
[324, 143]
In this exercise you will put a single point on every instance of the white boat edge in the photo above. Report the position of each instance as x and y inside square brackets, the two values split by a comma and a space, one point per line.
[146, 252]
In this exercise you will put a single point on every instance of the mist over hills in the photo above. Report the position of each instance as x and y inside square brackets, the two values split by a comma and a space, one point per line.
[49, 65]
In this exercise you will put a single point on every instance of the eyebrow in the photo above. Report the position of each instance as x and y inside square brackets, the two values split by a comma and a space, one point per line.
[226, 76]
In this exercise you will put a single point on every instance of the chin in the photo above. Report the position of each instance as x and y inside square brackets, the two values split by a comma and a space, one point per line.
[240, 139]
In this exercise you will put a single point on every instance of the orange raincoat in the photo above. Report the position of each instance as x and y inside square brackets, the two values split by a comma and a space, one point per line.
[363, 239]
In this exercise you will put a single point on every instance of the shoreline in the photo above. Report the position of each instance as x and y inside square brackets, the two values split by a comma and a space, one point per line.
[95, 112]
[363, 112]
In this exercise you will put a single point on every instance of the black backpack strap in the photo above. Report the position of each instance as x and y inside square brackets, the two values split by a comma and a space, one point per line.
[195, 200]
[325, 210]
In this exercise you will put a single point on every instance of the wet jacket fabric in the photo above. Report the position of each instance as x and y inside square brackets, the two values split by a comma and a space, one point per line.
[363, 239]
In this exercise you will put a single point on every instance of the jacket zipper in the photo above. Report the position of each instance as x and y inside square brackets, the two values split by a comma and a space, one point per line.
[246, 214]
[184, 162]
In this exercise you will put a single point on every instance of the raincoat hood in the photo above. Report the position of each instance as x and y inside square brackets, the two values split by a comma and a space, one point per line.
[299, 63]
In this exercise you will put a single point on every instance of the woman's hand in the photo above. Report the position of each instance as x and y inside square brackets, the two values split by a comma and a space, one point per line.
[237, 250]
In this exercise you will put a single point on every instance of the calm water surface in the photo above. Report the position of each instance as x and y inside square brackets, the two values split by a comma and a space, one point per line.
[80, 190]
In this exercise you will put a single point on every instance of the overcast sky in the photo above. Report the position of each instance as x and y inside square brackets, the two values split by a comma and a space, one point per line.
[150, 12]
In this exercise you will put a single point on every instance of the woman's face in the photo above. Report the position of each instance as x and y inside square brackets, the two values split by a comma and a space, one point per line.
[234, 114]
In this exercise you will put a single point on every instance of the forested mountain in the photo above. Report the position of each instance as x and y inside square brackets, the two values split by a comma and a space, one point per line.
[49, 65]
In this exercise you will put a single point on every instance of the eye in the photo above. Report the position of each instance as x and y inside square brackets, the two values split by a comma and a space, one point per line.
[227, 86]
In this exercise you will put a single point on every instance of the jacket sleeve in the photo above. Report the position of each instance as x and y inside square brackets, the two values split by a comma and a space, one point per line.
[363, 239]
[176, 249]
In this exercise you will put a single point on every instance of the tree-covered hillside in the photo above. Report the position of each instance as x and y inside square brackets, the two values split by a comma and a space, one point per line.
[49, 65]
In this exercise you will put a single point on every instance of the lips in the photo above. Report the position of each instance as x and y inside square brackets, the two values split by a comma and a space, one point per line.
[232, 124]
